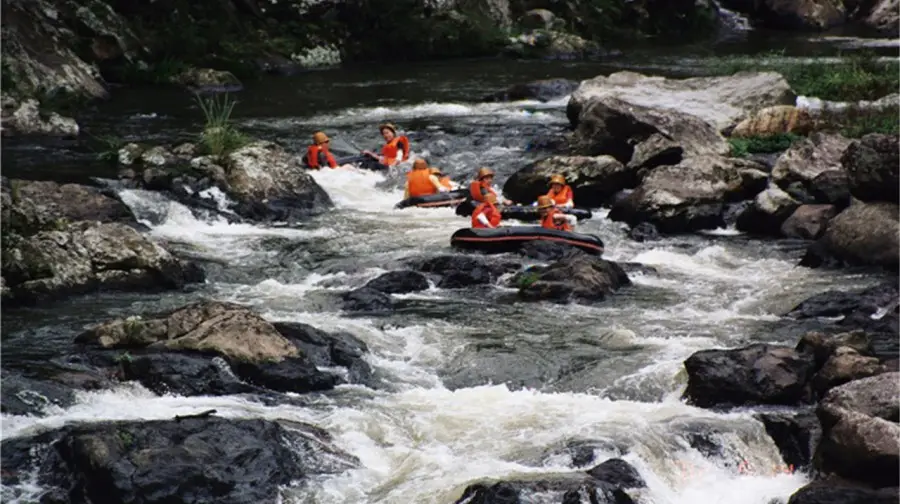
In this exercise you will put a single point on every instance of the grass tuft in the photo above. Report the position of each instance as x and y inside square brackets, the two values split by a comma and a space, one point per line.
[220, 137]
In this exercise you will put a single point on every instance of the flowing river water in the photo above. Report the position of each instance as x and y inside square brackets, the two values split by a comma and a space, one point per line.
[476, 384]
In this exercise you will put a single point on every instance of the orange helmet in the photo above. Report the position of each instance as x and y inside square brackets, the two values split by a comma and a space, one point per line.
[389, 126]
[490, 197]
[557, 179]
[420, 164]
[545, 202]
[319, 137]
[484, 172]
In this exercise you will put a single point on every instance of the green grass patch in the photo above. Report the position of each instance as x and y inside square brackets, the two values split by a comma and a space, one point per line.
[220, 137]
[859, 76]
[854, 122]
[742, 147]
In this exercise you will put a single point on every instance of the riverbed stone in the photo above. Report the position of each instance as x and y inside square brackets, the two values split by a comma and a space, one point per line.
[811, 166]
[863, 234]
[775, 120]
[840, 492]
[845, 365]
[579, 277]
[885, 18]
[542, 90]
[756, 374]
[823, 346]
[875, 396]
[28, 118]
[808, 222]
[456, 271]
[768, 212]
[210, 459]
[809, 15]
[208, 79]
[858, 447]
[796, 435]
[720, 102]
[872, 164]
[685, 197]
[594, 180]
[367, 299]
[399, 282]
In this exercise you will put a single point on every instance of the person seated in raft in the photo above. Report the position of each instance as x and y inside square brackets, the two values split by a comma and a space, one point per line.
[552, 217]
[317, 154]
[486, 214]
[421, 182]
[444, 180]
[482, 186]
[560, 193]
[395, 149]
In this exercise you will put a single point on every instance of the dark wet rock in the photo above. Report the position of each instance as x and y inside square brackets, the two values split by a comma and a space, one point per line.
[86, 257]
[579, 277]
[253, 348]
[796, 435]
[594, 180]
[201, 459]
[864, 234]
[643, 231]
[326, 349]
[841, 493]
[795, 14]
[845, 365]
[873, 168]
[809, 163]
[823, 346]
[617, 473]
[686, 197]
[367, 299]
[183, 374]
[33, 206]
[541, 90]
[207, 79]
[582, 453]
[28, 118]
[547, 251]
[399, 282]
[457, 271]
[855, 444]
[21, 395]
[768, 212]
[756, 374]
[808, 222]
[563, 489]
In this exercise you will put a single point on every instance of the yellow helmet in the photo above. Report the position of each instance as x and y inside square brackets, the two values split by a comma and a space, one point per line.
[485, 172]
[319, 137]
[557, 179]
[545, 202]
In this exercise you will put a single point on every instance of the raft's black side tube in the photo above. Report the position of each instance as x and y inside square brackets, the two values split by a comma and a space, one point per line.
[449, 197]
[511, 238]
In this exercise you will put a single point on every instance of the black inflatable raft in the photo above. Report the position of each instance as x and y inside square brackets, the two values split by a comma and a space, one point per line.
[445, 199]
[509, 239]
[523, 213]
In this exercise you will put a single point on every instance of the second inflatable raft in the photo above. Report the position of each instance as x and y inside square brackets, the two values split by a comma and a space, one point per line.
[511, 238]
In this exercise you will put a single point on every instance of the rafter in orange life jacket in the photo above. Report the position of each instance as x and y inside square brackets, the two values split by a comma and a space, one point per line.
[317, 156]
[391, 149]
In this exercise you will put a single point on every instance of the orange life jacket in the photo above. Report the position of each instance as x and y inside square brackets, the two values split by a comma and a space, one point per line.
[490, 211]
[477, 190]
[418, 183]
[391, 150]
[562, 197]
[445, 182]
[318, 154]
[547, 221]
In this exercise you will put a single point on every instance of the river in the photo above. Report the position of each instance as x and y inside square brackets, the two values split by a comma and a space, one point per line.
[477, 385]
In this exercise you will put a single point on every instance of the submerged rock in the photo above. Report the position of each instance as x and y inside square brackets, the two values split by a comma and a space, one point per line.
[399, 282]
[85, 257]
[685, 197]
[864, 234]
[594, 180]
[208, 459]
[873, 168]
[756, 374]
[541, 90]
[455, 271]
[578, 277]
[367, 299]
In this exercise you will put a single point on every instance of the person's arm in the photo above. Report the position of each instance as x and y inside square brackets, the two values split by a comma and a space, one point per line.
[484, 220]
[436, 182]
[571, 219]
[406, 191]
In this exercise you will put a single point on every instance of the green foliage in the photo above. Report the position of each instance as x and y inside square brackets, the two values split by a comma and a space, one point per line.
[106, 148]
[126, 438]
[860, 76]
[526, 279]
[220, 136]
[741, 147]
[163, 71]
[855, 122]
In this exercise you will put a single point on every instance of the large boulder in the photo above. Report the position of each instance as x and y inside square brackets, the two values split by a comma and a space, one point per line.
[845, 365]
[27, 118]
[577, 277]
[775, 120]
[85, 257]
[721, 102]
[32, 206]
[840, 492]
[201, 459]
[796, 435]
[254, 348]
[455, 271]
[873, 168]
[757, 374]
[688, 196]
[863, 234]
[269, 183]
[812, 15]
[885, 18]
[767, 213]
[808, 222]
[857, 442]
[811, 171]
[594, 180]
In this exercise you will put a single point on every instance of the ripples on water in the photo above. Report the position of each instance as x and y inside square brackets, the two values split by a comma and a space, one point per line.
[478, 385]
